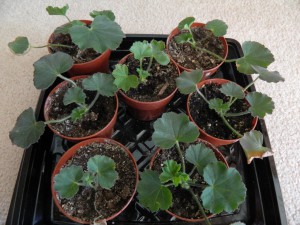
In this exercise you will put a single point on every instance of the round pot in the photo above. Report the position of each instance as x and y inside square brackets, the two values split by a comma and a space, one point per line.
[218, 154]
[99, 64]
[69, 154]
[146, 111]
[104, 132]
[215, 141]
[208, 72]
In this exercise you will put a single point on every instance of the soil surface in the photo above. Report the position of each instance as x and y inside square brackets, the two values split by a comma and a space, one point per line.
[89, 203]
[209, 121]
[188, 57]
[93, 121]
[160, 84]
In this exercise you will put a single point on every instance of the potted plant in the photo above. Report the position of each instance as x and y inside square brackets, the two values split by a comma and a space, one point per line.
[146, 78]
[77, 109]
[94, 181]
[190, 179]
[88, 42]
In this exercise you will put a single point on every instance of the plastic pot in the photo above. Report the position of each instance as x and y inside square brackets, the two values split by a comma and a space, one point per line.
[208, 72]
[146, 111]
[99, 64]
[104, 132]
[69, 154]
[215, 141]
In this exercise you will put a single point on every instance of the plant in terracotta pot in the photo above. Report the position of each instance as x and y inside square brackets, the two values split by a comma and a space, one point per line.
[88, 42]
[189, 178]
[146, 78]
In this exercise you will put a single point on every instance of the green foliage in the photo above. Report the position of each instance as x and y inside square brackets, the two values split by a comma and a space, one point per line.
[218, 27]
[87, 179]
[187, 81]
[57, 11]
[108, 13]
[64, 29]
[219, 106]
[260, 104]
[74, 95]
[19, 46]
[26, 130]
[183, 38]
[141, 50]
[233, 90]
[123, 80]
[186, 23]
[268, 76]
[158, 52]
[78, 113]
[171, 172]
[143, 74]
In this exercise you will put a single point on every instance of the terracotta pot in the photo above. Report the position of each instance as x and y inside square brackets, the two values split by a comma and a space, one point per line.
[215, 141]
[99, 64]
[105, 132]
[69, 154]
[208, 72]
[146, 111]
[218, 154]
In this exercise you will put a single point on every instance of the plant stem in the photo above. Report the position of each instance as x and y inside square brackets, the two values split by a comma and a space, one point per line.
[68, 18]
[67, 79]
[181, 156]
[94, 101]
[236, 114]
[230, 127]
[150, 64]
[200, 93]
[215, 55]
[249, 85]
[57, 121]
[197, 185]
[141, 64]
[192, 171]
[52, 45]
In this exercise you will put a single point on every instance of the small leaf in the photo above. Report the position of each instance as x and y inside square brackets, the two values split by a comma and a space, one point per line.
[225, 190]
[183, 38]
[171, 172]
[66, 181]
[19, 46]
[233, 90]
[143, 74]
[187, 22]
[252, 143]
[78, 113]
[141, 50]
[260, 104]
[152, 194]
[64, 29]
[108, 13]
[218, 105]
[87, 179]
[104, 167]
[218, 27]
[102, 83]
[57, 11]
[158, 53]
[266, 75]
[200, 156]
[187, 81]
[26, 130]
[122, 79]
[74, 95]
[172, 128]
[48, 67]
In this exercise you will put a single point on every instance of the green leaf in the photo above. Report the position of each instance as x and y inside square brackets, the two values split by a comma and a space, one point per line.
[158, 48]
[122, 79]
[218, 105]
[152, 194]
[87, 179]
[26, 130]
[237, 223]
[233, 90]
[78, 113]
[200, 156]
[218, 27]
[255, 54]
[19, 46]
[57, 11]
[187, 81]
[260, 104]
[48, 67]
[66, 181]
[171, 172]
[102, 35]
[252, 144]
[225, 190]
[74, 95]
[172, 128]
[102, 83]
[64, 29]
[104, 167]
[186, 23]
[141, 50]
[183, 38]
[143, 74]
[108, 13]
[266, 75]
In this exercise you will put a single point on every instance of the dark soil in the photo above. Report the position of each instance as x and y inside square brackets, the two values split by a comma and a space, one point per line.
[93, 121]
[209, 121]
[188, 57]
[160, 84]
[88, 203]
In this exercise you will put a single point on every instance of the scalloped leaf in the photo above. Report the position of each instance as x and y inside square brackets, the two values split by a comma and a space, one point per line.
[78, 113]
[218, 105]
[171, 172]
[57, 11]
[252, 144]
[233, 90]
[74, 95]
[108, 13]
[218, 27]
[225, 190]
[260, 104]
[187, 81]
[64, 29]
[27, 130]
[158, 52]
[143, 74]
[186, 23]
[123, 80]
[141, 50]
[19, 46]
[183, 38]
[172, 128]
[268, 76]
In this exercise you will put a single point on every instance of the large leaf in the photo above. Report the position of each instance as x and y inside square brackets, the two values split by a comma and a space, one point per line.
[266, 75]
[74, 95]
[102, 83]
[48, 67]
[218, 27]
[225, 190]
[255, 54]
[187, 81]
[172, 128]
[252, 143]
[19, 46]
[158, 52]
[233, 90]
[123, 80]
[108, 13]
[104, 167]
[151, 193]
[66, 181]
[186, 23]
[57, 11]
[102, 35]
[260, 104]
[218, 105]
[141, 50]
[200, 156]
[171, 172]
[26, 130]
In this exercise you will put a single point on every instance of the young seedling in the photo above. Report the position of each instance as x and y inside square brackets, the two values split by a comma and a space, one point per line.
[104, 33]
[27, 130]
[141, 51]
[224, 189]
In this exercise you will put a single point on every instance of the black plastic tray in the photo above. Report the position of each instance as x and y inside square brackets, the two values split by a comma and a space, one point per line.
[32, 202]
